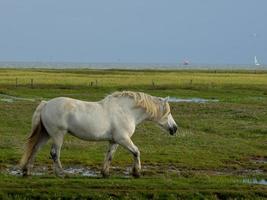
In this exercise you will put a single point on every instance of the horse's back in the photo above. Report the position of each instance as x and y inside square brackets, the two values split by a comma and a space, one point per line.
[87, 120]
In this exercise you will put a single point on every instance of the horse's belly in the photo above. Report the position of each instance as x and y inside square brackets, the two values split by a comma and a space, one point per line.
[89, 128]
[95, 136]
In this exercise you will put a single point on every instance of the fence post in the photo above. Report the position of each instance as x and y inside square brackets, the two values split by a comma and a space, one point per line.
[153, 84]
[31, 83]
[16, 82]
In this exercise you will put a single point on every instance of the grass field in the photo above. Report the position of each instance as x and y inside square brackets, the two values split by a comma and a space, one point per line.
[219, 147]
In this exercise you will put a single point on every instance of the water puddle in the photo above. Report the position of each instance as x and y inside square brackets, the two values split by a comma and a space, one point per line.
[255, 181]
[191, 100]
[11, 99]
[6, 100]
[16, 171]
[40, 171]
[82, 171]
[146, 169]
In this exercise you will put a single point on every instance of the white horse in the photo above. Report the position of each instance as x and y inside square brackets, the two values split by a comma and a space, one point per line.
[112, 119]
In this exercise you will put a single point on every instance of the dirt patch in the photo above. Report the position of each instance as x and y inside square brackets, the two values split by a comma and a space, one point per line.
[259, 160]
[191, 172]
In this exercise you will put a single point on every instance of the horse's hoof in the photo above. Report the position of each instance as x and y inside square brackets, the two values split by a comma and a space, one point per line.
[25, 172]
[105, 174]
[25, 175]
[136, 174]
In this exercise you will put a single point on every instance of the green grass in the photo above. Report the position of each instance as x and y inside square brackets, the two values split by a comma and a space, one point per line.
[216, 146]
[121, 188]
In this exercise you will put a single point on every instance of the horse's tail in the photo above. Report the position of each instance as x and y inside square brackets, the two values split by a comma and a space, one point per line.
[38, 133]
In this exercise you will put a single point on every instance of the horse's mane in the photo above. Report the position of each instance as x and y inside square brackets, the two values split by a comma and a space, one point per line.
[149, 103]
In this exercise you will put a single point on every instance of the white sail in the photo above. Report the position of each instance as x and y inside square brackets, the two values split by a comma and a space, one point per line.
[256, 61]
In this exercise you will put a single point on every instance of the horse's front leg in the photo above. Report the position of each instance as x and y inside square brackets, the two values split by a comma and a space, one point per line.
[111, 150]
[128, 144]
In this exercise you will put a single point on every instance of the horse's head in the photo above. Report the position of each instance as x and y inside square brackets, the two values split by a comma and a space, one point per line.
[157, 109]
[165, 119]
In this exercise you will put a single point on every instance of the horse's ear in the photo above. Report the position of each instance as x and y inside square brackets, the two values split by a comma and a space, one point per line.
[166, 99]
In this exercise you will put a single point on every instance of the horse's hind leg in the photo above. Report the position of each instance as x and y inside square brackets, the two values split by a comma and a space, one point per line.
[111, 150]
[26, 169]
[55, 153]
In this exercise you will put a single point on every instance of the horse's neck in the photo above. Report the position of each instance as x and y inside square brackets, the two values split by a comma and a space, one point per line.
[138, 114]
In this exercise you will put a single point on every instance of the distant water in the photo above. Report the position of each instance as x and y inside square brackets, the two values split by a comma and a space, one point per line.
[170, 66]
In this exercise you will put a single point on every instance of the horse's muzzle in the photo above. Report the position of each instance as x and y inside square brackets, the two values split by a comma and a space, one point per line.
[173, 130]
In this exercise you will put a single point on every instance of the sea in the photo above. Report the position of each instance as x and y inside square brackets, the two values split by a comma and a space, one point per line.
[133, 66]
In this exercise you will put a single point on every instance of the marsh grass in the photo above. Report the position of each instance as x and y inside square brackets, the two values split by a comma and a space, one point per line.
[219, 136]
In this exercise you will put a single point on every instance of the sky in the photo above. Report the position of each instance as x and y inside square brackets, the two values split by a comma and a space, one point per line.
[134, 31]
